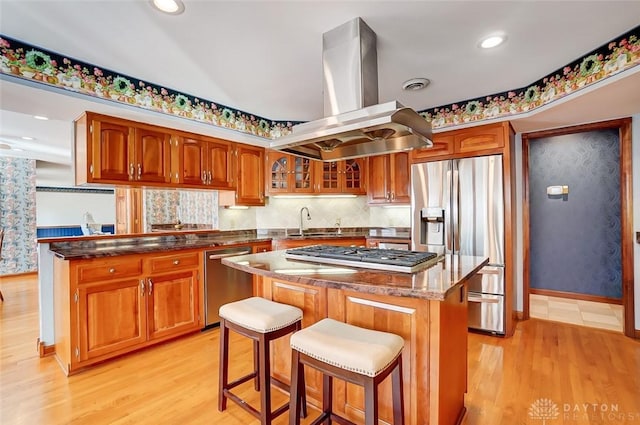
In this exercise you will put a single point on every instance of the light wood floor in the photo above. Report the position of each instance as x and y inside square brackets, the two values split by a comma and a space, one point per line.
[573, 367]
[577, 312]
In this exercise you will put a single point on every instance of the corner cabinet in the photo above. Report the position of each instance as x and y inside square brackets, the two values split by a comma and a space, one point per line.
[105, 307]
[389, 179]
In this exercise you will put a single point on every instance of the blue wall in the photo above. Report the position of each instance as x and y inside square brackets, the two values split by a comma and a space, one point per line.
[55, 232]
[575, 239]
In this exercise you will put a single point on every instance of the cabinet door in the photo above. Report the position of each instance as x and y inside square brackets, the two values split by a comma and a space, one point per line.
[278, 178]
[480, 138]
[328, 177]
[442, 145]
[400, 180]
[152, 156]
[311, 300]
[378, 191]
[250, 178]
[111, 159]
[219, 164]
[192, 169]
[111, 317]
[172, 304]
[129, 214]
[303, 174]
[354, 177]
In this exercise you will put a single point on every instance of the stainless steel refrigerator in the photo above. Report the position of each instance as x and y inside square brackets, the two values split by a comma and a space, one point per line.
[457, 207]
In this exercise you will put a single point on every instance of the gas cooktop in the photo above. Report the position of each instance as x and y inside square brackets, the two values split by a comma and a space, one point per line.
[371, 258]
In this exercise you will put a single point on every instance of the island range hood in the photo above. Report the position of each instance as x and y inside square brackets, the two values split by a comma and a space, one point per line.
[355, 125]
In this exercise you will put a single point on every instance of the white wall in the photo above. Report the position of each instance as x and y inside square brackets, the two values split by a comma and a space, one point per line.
[67, 208]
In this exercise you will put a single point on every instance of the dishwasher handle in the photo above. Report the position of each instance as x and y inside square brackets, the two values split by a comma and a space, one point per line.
[231, 254]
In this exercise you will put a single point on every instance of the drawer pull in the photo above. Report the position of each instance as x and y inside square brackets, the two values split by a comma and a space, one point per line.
[150, 286]
[176, 262]
[112, 270]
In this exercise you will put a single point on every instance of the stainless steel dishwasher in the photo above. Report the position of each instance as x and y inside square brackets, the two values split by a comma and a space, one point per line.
[223, 284]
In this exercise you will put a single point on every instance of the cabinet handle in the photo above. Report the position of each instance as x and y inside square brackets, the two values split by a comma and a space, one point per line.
[150, 286]
[209, 177]
[204, 177]
[139, 171]
[112, 270]
[131, 171]
[393, 196]
[176, 262]
[142, 287]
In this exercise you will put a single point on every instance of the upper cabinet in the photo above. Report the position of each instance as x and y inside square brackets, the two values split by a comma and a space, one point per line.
[249, 175]
[289, 173]
[346, 176]
[126, 153]
[203, 162]
[473, 141]
[389, 179]
[111, 150]
[293, 174]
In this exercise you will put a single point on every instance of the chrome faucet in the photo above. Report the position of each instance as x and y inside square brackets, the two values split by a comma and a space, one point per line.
[308, 217]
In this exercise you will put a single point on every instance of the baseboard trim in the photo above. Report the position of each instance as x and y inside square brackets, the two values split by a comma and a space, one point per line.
[637, 336]
[45, 350]
[518, 316]
[575, 296]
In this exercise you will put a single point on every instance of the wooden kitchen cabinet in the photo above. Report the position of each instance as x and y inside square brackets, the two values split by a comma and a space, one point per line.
[480, 140]
[249, 175]
[203, 162]
[129, 214]
[113, 150]
[346, 176]
[389, 179]
[105, 307]
[289, 173]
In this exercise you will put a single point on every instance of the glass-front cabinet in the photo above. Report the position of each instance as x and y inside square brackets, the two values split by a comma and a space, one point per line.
[293, 174]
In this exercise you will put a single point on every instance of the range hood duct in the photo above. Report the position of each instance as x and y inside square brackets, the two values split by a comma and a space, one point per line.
[355, 124]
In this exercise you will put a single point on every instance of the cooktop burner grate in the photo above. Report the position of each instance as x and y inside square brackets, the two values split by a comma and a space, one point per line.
[382, 259]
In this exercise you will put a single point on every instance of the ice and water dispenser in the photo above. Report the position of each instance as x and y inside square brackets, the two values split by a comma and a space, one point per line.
[432, 226]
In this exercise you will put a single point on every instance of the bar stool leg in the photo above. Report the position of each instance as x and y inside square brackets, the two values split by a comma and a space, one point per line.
[294, 392]
[224, 363]
[256, 365]
[396, 389]
[371, 402]
[265, 378]
[327, 396]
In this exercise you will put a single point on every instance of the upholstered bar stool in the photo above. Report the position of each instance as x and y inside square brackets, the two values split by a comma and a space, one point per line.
[353, 354]
[262, 321]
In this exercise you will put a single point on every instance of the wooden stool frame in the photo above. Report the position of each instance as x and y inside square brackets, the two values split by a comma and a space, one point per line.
[261, 373]
[370, 384]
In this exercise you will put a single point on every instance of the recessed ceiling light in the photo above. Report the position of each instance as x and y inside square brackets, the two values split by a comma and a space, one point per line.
[17, 150]
[415, 84]
[492, 41]
[172, 7]
[4, 146]
[26, 138]
[40, 117]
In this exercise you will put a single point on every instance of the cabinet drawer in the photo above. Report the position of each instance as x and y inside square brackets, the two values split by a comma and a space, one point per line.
[174, 262]
[95, 271]
[262, 247]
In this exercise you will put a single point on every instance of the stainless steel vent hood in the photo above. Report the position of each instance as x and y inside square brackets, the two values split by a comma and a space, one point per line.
[355, 124]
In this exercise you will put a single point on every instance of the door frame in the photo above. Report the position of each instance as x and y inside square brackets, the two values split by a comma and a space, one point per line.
[626, 210]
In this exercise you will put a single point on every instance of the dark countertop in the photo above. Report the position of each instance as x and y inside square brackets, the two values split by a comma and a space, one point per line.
[94, 246]
[434, 282]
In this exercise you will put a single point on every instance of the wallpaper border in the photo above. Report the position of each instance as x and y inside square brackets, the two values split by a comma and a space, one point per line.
[28, 62]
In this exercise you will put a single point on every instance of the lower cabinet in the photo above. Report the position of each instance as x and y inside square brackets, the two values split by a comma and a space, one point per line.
[108, 307]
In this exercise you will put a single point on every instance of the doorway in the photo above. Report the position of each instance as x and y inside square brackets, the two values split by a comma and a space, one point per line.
[577, 237]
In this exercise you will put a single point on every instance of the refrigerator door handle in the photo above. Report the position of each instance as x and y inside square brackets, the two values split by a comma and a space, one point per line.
[481, 299]
[455, 208]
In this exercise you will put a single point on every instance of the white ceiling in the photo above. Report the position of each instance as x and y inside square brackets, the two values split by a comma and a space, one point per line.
[264, 57]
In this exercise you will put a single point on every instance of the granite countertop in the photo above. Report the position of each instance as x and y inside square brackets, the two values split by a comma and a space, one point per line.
[434, 282]
[84, 247]
[79, 248]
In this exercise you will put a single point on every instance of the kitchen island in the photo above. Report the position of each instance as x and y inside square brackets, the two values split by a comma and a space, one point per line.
[427, 308]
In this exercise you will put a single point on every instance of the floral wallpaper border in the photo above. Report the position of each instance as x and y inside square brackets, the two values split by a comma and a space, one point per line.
[26, 61]
[609, 59]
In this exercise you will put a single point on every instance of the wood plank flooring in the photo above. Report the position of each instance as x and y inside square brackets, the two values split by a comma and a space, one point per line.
[590, 376]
